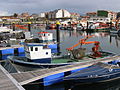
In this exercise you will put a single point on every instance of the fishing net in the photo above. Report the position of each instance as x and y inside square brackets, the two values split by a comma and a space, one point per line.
[78, 53]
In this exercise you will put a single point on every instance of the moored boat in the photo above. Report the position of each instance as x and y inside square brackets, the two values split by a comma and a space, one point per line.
[98, 72]
[99, 27]
[5, 29]
[37, 55]
[79, 27]
[45, 39]
[55, 61]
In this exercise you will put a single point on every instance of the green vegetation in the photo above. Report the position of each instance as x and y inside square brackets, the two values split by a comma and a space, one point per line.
[102, 13]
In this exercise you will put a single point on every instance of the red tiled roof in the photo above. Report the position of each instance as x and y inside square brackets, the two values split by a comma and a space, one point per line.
[42, 32]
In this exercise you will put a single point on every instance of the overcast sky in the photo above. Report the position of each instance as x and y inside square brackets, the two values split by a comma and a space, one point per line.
[8, 7]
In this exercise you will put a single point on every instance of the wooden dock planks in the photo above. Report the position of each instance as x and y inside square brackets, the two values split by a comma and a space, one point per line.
[27, 77]
[7, 82]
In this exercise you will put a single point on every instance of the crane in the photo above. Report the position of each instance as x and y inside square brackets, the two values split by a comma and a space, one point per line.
[95, 49]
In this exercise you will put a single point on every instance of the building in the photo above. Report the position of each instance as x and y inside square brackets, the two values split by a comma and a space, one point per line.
[112, 15]
[108, 14]
[25, 14]
[91, 14]
[75, 16]
[59, 14]
[102, 16]
[42, 15]
[99, 19]
[9, 18]
[34, 15]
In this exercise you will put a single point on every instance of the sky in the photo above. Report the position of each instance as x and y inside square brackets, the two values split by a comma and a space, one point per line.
[9, 7]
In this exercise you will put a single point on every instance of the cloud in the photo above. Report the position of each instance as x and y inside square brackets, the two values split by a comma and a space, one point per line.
[37, 6]
[4, 13]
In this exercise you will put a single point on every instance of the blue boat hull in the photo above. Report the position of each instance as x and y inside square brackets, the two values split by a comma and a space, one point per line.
[94, 74]
[7, 51]
[53, 48]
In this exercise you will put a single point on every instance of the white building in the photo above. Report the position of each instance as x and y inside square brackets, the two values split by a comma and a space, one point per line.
[99, 19]
[60, 13]
[13, 20]
[102, 16]
[112, 15]
[42, 15]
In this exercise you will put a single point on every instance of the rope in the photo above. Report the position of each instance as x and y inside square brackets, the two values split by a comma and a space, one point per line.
[5, 64]
[12, 63]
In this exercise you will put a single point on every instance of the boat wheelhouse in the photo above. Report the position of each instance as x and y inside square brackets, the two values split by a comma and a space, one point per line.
[37, 53]
[45, 36]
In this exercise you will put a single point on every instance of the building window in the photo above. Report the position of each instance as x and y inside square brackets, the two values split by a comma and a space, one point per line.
[46, 53]
[36, 49]
[31, 48]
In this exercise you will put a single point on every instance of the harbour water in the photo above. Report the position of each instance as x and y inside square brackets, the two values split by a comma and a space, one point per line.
[108, 42]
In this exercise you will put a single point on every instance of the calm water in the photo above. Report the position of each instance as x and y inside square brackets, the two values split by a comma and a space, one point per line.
[108, 42]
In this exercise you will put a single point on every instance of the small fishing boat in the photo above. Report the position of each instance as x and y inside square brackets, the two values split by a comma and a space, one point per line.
[79, 27]
[45, 39]
[115, 31]
[38, 55]
[54, 61]
[4, 29]
[99, 27]
[51, 26]
[99, 72]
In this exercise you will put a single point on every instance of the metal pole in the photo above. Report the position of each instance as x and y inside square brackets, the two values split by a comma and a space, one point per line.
[13, 25]
[58, 37]
[3, 24]
[29, 26]
[87, 25]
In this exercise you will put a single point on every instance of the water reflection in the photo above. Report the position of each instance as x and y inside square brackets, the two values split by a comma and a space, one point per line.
[116, 39]
[108, 42]
[111, 85]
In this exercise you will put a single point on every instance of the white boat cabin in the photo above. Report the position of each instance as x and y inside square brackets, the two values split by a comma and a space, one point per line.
[37, 53]
[46, 36]
[5, 29]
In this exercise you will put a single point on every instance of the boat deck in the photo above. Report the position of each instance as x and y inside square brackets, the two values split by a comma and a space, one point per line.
[64, 59]
[15, 46]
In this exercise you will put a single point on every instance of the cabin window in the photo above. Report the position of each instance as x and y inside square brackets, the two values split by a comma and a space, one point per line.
[44, 34]
[36, 49]
[46, 53]
[31, 48]
[48, 34]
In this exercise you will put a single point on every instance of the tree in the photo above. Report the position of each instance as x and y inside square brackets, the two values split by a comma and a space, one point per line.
[15, 15]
